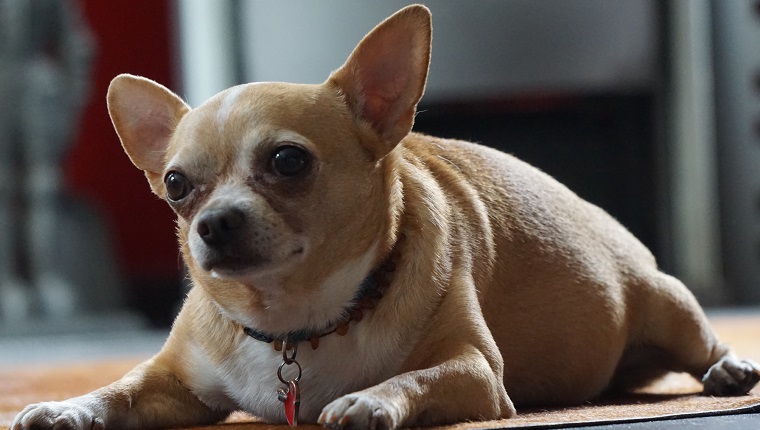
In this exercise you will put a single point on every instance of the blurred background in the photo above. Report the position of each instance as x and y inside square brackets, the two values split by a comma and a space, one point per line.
[647, 108]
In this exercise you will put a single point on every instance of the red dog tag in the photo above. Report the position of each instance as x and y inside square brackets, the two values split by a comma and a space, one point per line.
[292, 399]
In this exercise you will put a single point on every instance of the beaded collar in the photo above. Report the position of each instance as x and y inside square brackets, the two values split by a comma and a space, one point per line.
[371, 290]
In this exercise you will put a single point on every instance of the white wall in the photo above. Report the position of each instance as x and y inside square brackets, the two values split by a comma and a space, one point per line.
[479, 48]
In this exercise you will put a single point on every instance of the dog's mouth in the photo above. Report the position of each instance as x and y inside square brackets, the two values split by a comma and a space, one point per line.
[233, 264]
[238, 265]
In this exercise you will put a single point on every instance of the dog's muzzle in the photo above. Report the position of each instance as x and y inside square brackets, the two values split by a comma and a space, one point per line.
[227, 238]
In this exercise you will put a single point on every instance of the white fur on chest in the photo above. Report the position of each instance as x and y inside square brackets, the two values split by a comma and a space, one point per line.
[247, 380]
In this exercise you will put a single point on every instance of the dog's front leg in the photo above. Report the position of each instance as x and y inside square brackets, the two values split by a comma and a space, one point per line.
[149, 396]
[461, 388]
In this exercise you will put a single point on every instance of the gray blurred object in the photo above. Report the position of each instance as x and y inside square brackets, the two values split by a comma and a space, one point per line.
[692, 170]
[45, 61]
[736, 36]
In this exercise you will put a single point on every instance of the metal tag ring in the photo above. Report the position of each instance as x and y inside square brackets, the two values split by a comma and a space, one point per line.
[285, 357]
[279, 371]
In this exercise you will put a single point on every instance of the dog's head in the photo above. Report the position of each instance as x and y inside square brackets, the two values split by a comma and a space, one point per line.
[282, 191]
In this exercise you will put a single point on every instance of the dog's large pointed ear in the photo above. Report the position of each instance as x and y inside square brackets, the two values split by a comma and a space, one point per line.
[144, 114]
[384, 78]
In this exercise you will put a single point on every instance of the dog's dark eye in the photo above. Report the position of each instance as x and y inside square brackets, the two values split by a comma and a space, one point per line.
[177, 186]
[290, 160]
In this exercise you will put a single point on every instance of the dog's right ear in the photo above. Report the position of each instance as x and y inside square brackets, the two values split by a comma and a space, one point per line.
[145, 115]
[384, 77]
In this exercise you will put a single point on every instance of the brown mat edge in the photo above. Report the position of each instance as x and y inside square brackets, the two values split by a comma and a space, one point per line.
[748, 409]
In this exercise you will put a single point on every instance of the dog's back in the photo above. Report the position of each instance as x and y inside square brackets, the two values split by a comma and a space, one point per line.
[571, 295]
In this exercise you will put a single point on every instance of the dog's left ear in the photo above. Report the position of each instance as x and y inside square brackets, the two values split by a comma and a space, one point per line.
[384, 78]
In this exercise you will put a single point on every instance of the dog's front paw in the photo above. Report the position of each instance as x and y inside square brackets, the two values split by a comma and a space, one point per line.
[58, 415]
[731, 377]
[360, 411]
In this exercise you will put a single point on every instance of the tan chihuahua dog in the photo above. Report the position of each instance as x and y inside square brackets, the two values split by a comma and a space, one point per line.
[358, 275]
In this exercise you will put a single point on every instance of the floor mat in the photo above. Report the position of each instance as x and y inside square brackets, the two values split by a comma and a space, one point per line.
[675, 396]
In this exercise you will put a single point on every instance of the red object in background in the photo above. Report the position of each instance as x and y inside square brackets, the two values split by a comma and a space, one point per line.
[131, 37]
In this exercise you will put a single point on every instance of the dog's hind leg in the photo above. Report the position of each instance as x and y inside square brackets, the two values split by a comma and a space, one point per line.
[676, 335]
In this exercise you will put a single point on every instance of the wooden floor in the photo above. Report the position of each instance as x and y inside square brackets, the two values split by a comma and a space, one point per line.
[675, 395]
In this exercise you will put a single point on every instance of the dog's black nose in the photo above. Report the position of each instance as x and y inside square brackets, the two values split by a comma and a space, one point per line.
[220, 226]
